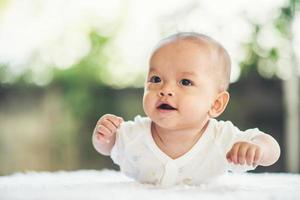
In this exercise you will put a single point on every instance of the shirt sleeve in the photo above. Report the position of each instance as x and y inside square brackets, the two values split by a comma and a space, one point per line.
[124, 136]
[228, 136]
[118, 148]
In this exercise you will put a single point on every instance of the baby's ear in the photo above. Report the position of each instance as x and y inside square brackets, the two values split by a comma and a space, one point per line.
[219, 104]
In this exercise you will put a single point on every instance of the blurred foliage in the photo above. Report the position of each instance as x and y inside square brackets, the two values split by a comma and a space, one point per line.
[255, 51]
[83, 94]
[78, 86]
[88, 97]
[3, 3]
[79, 81]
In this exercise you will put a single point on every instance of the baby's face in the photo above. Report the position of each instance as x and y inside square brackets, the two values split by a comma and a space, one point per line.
[180, 87]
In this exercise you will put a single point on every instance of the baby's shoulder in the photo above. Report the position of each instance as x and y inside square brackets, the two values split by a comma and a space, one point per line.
[220, 127]
[133, 128]
[226, 131]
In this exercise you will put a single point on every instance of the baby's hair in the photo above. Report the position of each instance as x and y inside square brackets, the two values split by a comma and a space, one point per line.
[223, 63]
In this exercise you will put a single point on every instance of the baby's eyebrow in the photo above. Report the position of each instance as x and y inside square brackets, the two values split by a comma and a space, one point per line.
[189, 73]
[184, 73]
[152, 70]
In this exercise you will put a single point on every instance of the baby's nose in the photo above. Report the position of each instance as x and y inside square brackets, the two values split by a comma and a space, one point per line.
[166, 93]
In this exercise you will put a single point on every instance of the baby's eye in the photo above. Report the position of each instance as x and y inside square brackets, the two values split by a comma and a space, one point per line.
[186, 82]
[155, 79]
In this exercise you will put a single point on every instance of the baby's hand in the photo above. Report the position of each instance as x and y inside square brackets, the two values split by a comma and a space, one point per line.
[242, 152]
[106, 127]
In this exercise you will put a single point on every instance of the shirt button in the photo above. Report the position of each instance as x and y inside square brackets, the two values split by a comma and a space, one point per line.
[180, 170]
[187, 181]
[171, 167]
[135, 158]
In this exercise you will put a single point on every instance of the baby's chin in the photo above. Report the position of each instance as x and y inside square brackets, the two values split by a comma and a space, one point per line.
[167, 124]
[171, 122]
[177, 124]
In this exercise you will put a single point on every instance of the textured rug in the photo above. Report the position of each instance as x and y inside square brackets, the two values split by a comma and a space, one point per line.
[108, 184]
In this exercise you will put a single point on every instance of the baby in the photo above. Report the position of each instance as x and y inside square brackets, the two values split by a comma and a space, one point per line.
[180, 141]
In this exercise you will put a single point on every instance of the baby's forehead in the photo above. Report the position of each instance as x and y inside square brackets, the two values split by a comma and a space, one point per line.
[178, 43]
[190, 51]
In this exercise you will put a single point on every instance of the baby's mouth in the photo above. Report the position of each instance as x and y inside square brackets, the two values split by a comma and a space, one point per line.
[165, 106]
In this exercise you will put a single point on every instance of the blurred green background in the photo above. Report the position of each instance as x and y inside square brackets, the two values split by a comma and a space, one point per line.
[54, 88]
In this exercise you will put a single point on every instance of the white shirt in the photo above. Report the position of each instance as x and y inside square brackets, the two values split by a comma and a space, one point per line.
[138, 156]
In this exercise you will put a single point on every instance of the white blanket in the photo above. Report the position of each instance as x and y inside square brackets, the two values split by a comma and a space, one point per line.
[107, 185]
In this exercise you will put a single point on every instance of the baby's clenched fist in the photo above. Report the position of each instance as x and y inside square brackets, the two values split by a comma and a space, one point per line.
[245, 152]
[106, 127]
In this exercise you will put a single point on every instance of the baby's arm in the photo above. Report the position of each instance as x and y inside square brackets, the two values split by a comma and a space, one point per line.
[262, 150]
[104, 134]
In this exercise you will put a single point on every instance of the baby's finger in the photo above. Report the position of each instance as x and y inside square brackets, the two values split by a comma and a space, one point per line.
[110, 126]
[229, 155]
[121, 119]
[233, 153]
[250, 155]
[102, 138]
[257, 157]
[242, 154]
[104, 131]
[116, 121]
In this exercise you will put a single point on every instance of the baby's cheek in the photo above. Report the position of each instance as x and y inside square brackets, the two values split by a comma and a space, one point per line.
[148, 102]
[195, 110]
[152, 87]
[196, 105]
